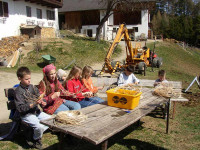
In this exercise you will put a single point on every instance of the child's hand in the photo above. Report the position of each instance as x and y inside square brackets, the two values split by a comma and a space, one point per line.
[87, 94]
[73, 95]
[41, 102]
[55, 95]
[100, 88]
[131, 84]
[156, 83]
[31, 105]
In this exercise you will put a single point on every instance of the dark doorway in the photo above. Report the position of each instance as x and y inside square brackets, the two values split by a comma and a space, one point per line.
[89, 32]
[61, 18]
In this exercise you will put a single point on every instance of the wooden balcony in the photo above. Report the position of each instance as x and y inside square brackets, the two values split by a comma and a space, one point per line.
[48, 3]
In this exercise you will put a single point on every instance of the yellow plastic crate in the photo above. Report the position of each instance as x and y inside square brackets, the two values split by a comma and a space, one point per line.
[123, 98]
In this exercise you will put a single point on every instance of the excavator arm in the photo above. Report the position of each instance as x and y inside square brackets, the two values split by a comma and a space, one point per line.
[122, 32]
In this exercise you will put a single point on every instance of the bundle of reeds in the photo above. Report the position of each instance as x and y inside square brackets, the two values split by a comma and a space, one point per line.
[70, 117]
[166, 90]
[129, 89]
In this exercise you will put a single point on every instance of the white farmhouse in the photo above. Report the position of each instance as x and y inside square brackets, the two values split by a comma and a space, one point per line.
[83, 16]
[17, 13]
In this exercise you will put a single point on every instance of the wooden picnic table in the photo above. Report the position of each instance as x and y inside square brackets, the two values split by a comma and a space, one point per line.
[105, 121]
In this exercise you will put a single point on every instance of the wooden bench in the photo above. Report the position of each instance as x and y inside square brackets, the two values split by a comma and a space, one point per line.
[17, 124]
[105, 121]
[177, 85]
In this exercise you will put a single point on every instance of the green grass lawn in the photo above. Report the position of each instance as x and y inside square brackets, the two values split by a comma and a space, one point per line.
[84, 50]
[181, 65]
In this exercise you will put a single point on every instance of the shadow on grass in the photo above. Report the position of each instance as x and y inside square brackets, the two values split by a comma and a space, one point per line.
[139, 145]
[157, 113]
[4, 128]
[79, 144]
[42, 64]
[17, 138]
[130, 143]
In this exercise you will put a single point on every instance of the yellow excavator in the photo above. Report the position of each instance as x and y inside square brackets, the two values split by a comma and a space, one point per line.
[139, 57]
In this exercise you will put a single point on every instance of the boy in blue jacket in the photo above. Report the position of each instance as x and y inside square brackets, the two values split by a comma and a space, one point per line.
[26, 102]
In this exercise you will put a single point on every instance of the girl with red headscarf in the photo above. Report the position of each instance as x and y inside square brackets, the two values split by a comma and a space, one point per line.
[53, 92]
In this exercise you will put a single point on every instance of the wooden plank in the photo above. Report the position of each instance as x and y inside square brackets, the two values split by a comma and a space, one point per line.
[180, 99]
[92, 124]
[120, 123]
[149, 83]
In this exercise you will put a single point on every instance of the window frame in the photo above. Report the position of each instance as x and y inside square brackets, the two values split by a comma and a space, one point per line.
[39, 11]
[50, 15]
[4, 10]
[28, 11]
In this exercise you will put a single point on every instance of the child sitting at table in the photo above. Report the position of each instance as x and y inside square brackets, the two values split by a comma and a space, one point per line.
[82, 95]
[55, 94]
[62, 75]
[127, 77]
[27, 98]
[87, 81]
[161, 78]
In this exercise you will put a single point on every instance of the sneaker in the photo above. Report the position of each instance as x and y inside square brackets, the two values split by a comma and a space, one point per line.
[30, 143]
[37, 144]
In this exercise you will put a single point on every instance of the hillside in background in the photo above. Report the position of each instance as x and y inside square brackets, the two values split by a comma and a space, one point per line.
[180, 64]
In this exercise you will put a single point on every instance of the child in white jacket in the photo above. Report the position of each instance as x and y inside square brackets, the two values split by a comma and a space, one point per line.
[127, 77]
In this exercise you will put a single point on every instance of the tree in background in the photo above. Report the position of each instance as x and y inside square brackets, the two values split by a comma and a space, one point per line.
[179, 20]
[197, 30]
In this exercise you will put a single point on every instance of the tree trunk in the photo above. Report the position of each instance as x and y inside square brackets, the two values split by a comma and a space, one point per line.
[98, 34]
[110, 5]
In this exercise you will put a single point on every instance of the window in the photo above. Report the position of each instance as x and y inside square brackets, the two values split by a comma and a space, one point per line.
[39, 13]
[28, 11]
[50, 15]
[3, 9]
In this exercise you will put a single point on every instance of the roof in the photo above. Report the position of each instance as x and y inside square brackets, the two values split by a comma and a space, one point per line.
[80, 5]
[28, 27]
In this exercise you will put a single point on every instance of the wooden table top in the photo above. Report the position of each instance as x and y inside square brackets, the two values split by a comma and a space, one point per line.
[105, 121]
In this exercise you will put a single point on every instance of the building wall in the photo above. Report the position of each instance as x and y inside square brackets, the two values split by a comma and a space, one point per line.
[94, 27]
[109, 29]
[17, 16]
[142, 28]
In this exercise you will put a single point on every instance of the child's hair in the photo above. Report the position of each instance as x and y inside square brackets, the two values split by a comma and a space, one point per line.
[87, 70]
[161, 73]
[130, 68]
[61, 73]
[47, 86]
[22, 71]
[72, 73]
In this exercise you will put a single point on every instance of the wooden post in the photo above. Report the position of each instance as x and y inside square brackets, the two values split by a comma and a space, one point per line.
[138, 123]
[167, 127]
[104, 145]
[174, 109]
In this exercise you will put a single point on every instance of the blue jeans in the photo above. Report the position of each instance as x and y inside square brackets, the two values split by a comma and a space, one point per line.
[68, 105]
[34, 121]
[90, 101]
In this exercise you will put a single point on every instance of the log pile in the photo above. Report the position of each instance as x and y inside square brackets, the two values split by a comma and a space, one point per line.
[9, 45]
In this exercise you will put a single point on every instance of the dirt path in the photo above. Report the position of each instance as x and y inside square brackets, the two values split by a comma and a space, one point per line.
[8, 80]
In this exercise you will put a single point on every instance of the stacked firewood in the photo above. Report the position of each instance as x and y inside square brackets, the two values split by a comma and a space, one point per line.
[48, 33]
[9, 45]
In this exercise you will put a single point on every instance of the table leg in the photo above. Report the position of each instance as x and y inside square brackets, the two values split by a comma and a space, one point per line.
[104, 145]
[61, 136]
[167, 128]
[138, 123]
[174, 109]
